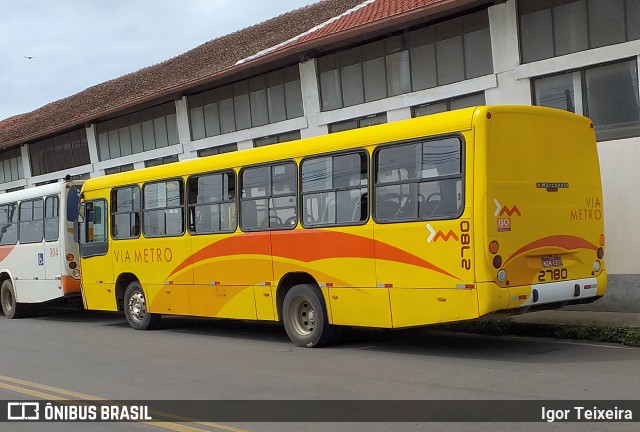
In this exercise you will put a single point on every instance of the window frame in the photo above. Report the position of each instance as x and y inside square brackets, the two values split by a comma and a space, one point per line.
[15, 220]
[358, 151]
[422, 140]
[235, 201]
[112, 213]
[20, 221]
[91, 249]
[240, 186]
[45, 218]
[144, 210]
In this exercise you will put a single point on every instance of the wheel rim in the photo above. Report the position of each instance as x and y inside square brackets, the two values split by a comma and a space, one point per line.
[7, 300]
[303, 317]
[137, 307]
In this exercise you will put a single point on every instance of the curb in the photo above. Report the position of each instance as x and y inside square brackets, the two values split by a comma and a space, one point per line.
[621, 334]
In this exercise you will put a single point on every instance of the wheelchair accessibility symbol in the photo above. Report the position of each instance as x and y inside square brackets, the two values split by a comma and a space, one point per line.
[40, 259]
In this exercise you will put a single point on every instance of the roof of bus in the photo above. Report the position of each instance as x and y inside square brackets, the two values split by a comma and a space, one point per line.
[35, 192]
[441, 123]
[435, 124]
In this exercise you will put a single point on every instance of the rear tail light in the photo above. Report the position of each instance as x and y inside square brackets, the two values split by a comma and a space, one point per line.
[600, 253]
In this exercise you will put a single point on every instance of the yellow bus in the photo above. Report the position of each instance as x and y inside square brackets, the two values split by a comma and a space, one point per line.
[437, 219]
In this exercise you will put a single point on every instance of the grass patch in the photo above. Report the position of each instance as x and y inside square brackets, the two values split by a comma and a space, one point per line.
[621, 334]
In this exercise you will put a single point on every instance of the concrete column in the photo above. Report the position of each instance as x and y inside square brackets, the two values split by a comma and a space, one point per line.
[311, 100]
[92, 143]
[503, 24]
[184, 132]
[26, 164]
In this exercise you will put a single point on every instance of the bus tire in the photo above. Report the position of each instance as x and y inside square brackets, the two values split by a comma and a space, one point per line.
[305, 317]
[135, 309]
[11, 308]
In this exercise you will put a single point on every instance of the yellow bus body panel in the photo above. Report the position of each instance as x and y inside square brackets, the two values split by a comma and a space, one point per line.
[390, 274]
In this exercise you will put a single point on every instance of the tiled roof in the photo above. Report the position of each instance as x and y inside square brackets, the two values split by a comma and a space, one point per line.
[293, 31]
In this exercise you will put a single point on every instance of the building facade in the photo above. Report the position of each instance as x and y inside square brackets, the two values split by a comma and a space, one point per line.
[338, 65]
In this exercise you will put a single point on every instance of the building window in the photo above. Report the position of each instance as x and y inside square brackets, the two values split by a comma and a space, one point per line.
[419, 181]
[550, 28]
[8, 224]
[11, 165]
[61, 152]
[607, 94]
[275, 139]
[227, 148]
[51, 224]
[142, 131]
[31, 221]
[119, 169]
[361, 122]
[334, 190]
[265, 99]
[212, 203]
[440, 54]
[269, 197]
[160, 161]
[163, 211]
[125, 212]
[448, 105]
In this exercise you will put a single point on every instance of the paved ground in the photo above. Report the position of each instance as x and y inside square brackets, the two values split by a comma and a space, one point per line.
[66, 353]
[561, 317]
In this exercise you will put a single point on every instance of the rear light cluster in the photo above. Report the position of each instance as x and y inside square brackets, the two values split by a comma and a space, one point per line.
[73, 265]
[597, 265]
[494, 248]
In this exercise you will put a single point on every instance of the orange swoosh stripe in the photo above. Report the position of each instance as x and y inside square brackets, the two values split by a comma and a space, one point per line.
[307, 246]
[5, 251]
[566, 242]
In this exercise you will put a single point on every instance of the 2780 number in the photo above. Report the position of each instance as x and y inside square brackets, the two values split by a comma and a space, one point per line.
[553, 275]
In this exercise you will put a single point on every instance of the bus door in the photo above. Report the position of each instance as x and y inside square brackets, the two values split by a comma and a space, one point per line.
[31, 269]
[54, 253]
[97, 268]
[423, 246]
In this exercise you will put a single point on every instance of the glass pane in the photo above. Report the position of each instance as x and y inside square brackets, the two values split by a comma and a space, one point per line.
[467, 101]
[211, 120]
[172, 129]
[394, 202]
[349, 171]
[330, 90]
[612, 100]
[633, 19]
[397, 163]
[398, 73]
[227, 119]
[440, 199]
[477, 53]
[536, 36]
[148, 135]
[136, 138]
[125, 141]
[284, 179]
[154, 224]
[293, 99]
[254, 214]
[450, 60]
[282, 212]
[441, 157]
[209, 189]
[423, 67]
[375, 86]
[555, 92]
[174, 221]
[352, 87]
[319, 208]
[605, 22]
[570, 27]
[316, 174]
[275, 103]
[160, 130]
[197, 121]
[241, 105]
[259, 112]
[256, 182]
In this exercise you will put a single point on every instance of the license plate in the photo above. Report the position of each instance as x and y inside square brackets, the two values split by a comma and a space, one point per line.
[551, 261]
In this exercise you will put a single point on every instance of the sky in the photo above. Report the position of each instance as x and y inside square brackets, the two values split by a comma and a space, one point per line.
[75, 44]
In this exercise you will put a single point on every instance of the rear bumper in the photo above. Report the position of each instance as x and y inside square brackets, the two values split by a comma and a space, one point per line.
[493, 298]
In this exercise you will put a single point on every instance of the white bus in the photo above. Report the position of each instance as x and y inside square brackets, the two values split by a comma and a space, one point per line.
[38, 254]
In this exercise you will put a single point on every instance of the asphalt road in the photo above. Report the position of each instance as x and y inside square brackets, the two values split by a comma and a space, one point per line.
[87, 355]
